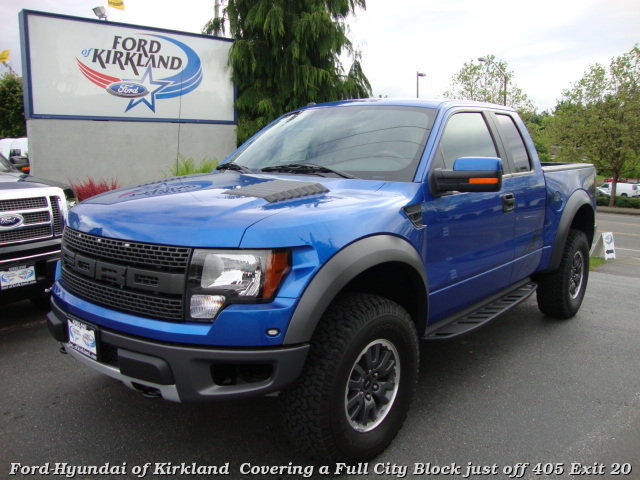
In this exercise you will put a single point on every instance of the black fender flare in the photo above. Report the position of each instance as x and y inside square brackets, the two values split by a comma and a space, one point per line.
[578, 200]
[339, 270]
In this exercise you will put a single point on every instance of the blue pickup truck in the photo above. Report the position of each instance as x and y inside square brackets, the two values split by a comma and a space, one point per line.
[316, 257]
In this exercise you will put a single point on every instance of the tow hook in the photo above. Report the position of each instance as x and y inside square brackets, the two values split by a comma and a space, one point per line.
[148, 392]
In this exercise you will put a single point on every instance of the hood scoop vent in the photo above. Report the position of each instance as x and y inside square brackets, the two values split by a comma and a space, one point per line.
[279, 190]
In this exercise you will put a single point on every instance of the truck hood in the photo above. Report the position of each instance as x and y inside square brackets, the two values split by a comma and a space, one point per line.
[215, 210]
[17, 180]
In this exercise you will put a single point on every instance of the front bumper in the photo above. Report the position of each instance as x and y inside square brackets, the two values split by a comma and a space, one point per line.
[43, 258]
[186, 373]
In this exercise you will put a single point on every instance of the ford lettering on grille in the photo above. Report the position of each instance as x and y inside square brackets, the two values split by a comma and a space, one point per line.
[122, 276]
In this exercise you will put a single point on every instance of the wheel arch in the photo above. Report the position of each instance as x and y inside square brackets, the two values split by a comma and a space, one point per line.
[383, 265]
[578, 214]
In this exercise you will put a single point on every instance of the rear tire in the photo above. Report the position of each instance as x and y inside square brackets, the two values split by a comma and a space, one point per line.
[560, 293]
[356, 387]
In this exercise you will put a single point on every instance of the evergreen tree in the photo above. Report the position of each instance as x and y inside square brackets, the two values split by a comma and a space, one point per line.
[286, 54]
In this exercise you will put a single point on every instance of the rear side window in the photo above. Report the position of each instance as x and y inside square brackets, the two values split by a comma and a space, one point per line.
[514, 144]
[466, 135]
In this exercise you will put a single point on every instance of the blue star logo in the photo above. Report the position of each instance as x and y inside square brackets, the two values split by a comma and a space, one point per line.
[153, 87]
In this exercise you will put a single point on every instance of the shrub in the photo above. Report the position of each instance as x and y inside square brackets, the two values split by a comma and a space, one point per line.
[89, 187]
[627, 202]
[624, 202]
[187, 166]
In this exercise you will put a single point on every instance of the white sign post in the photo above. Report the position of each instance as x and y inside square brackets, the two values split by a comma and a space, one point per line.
[604, 247]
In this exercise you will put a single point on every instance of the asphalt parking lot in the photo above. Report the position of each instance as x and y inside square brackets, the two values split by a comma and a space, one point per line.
[556, 396]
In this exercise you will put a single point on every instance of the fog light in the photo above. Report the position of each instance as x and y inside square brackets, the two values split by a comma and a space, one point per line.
[273, 332]
[206, 306]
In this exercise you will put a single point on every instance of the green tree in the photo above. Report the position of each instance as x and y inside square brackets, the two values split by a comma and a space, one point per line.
[286, 54]
[485, 82]
[598, 118]
[537, 125]
[12, 122]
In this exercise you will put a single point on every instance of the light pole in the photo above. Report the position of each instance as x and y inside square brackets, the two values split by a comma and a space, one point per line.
[418, 75]
[505, 77]
[101, 13]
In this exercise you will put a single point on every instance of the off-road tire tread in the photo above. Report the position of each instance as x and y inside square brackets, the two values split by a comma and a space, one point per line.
[302, 403]
[552, 293]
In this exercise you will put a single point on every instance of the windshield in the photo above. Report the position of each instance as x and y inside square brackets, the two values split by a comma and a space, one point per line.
[370, 142]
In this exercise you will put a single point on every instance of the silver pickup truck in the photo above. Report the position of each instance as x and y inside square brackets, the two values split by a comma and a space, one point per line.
[32, 216]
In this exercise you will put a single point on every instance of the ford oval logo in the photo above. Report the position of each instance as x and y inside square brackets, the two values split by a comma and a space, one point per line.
[127, 89]
[11, 220]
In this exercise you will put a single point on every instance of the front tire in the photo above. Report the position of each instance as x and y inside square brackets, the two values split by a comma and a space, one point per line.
[356, 387]
[560, 293]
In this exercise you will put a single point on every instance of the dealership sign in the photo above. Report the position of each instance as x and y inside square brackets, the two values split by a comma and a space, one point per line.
[80, 68]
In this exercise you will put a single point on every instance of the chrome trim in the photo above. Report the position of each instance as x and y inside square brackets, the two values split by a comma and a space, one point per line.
[55, 203]
[27, 240]
[29, 257]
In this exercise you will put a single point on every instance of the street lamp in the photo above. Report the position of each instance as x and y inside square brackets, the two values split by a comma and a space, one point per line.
[505, 77]
[101, 13]
[418, 75]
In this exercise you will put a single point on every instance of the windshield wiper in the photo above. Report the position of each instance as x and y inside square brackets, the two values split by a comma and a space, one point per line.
[303, 168]
[234, 166]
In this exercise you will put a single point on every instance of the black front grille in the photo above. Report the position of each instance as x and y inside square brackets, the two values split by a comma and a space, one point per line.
[154, 306]
[146, 255]
[133, 277]
[23, 204]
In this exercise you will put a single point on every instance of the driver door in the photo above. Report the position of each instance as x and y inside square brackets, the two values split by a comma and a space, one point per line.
[469, 235]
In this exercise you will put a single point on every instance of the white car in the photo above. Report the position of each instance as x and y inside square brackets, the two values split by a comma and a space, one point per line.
[622, 189]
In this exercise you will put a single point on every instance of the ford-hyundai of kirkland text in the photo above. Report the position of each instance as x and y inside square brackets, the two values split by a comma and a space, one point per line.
[316, 256]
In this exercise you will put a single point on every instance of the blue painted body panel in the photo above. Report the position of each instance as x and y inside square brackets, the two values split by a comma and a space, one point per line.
[469, 246]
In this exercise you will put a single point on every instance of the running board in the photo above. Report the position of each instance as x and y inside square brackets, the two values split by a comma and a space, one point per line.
[476, 316]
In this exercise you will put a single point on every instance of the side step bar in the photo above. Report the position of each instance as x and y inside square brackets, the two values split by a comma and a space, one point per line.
[478, 315]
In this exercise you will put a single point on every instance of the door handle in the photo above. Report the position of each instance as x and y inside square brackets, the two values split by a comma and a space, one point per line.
[508, 202]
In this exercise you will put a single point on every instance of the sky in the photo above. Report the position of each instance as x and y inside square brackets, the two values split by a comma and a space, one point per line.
[547, 44]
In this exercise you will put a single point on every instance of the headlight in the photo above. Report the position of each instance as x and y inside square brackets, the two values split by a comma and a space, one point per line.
[220, 277]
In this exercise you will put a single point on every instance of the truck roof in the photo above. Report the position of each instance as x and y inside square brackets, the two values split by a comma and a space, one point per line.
[442, 103]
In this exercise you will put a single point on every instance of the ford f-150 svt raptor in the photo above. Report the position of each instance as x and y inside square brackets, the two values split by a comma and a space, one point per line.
[317, 255]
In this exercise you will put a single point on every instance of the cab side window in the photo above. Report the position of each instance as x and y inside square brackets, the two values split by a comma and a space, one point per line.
[513, 142]
[466, 135]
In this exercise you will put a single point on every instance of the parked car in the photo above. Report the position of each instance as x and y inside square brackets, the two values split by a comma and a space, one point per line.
[21, 163]
[32, 216]
[621, 180]
[10, 147]
[622, 189]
